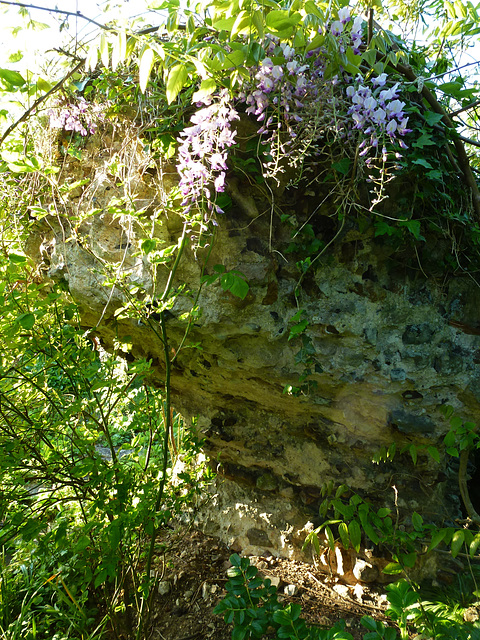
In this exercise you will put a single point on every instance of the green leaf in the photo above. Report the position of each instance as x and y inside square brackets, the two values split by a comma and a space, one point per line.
[371, 533]
[433, 451]
[408, 559]
[343, 533]
[147, 61]
[413, 453]
[457, 542]
[279, 20]
[369, 623]
[100, 578]
[342, 166]
[413, 226]
[355, 534]
[16, 258]
[239, 287]
[12, 77]
[417, 521]
[392, 568]
[432, 118]
[242, 21]
[43, 85]
[148, 245]
[425, 140]
[81, 544]
[330, 537]
[474, 545]
[437, 538]
[176, 81]
[422, 162]
[298, 328]
[207, 87]
[26, 320]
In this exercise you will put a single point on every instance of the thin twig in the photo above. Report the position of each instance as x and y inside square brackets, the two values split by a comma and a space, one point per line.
[77, 14]
[39, 101]
[473, 104]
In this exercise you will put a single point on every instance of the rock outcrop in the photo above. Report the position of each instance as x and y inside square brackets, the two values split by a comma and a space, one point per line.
[386, 346]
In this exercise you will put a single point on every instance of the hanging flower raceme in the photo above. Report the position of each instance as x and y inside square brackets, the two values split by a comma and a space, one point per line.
[377, 112]
[287, 88]
[81, 117]
[203, 153]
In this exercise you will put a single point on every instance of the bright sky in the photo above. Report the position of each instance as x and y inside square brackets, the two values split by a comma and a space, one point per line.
[32, 42]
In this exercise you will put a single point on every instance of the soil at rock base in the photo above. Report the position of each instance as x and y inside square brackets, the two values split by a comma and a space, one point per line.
[193, 572]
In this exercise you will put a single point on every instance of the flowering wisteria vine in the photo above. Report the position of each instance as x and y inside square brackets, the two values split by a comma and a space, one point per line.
[81, 117]
[296, 104]
[203, 151]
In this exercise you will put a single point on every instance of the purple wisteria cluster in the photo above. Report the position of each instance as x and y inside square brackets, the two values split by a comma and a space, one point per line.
[81, 117]
[377, 112]
[203, 154]
[279, 91]
[348, 38]
[292, 98]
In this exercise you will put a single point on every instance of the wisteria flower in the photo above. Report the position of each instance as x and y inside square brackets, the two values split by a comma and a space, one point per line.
[344, 15]
[81, 117]
[380, 80]
[336, 28]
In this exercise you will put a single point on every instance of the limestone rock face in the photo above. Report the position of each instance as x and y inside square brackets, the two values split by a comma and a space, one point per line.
[386, 346]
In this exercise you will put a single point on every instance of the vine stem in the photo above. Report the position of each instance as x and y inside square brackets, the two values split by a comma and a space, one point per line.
[144, 613]
[462, 484]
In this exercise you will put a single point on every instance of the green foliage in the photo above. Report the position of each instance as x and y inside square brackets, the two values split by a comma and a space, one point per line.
[252, 606]
[85, 457]
[233, 281]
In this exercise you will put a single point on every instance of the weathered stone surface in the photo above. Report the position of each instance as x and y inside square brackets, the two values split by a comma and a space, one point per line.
[389, 349]
[364, 571]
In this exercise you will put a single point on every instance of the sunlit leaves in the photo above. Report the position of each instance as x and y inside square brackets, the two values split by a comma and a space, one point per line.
[10, 77]
[119, 50]
[177, 78]
[207, 87]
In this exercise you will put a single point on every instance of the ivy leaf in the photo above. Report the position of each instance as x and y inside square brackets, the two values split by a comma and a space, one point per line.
[148, 245]
[176, 81]
[342, 166]
[432, 118]
[413, 226]
[425, 140]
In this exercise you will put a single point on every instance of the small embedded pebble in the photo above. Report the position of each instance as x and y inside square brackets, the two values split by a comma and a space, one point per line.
[290, 590]
[163, 587]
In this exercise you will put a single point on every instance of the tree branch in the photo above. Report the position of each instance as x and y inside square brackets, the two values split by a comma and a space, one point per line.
[40, 100]
[77, 14]
[475, 103]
